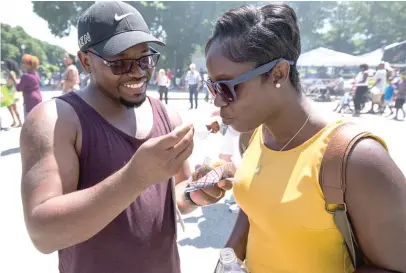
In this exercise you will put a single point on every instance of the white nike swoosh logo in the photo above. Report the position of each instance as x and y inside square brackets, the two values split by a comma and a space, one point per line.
[121, 17]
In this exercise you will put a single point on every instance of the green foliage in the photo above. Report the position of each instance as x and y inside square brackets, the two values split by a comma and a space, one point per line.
[353, 27]
[60, 15]
[12, 39]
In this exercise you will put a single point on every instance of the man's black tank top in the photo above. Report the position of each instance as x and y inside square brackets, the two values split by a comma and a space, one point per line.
[143, 237]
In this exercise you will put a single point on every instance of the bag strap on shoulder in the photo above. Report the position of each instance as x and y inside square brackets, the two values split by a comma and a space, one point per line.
[332, 178]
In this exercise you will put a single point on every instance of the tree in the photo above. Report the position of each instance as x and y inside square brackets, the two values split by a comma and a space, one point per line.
[380, 22]
[343, 24]
[60, 15]
[351, 27]
[360, 27]
[311, 18]
[182, 25]
[12, 39]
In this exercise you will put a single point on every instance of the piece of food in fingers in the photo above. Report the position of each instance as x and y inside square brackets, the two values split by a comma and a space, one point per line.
[213, 127]
[218, 163]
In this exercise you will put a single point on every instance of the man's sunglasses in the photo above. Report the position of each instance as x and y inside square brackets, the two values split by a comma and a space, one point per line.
[121, 67]
[226, 89]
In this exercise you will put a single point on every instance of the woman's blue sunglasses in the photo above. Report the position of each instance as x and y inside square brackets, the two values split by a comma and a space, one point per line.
[226, 89]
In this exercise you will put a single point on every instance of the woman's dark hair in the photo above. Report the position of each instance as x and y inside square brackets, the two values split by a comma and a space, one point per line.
[364, 66]
[260, 35]
[12, 65]
[72, 57]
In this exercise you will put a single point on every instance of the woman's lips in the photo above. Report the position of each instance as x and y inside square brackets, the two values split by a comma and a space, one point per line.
[227, 121]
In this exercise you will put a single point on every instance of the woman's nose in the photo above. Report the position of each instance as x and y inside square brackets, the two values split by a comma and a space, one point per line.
[219, 101]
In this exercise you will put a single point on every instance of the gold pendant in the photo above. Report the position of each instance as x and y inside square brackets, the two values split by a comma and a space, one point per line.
[257, 170]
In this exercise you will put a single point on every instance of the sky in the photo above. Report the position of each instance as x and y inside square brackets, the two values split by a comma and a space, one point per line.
[19, 13]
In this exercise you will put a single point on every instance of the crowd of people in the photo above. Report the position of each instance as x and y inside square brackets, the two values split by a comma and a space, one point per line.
[29, 84]
[384, 88]
[193, 81]
[105, 170]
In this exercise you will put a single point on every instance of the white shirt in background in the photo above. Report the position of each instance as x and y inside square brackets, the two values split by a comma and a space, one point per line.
[193, 78]
[381, 75]
[163, 81]
[230, 145]
[359, 78]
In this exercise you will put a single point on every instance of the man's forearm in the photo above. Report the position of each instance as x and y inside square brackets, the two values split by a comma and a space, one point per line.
[73, 218]
[239, 236]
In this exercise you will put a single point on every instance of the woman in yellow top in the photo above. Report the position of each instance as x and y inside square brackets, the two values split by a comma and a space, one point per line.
[13, 72]
[283, 226]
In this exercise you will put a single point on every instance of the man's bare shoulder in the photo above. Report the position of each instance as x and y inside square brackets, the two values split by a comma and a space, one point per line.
[52, 110]
[49, 119]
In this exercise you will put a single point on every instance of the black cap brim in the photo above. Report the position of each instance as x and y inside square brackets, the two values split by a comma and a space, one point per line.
[123, 41]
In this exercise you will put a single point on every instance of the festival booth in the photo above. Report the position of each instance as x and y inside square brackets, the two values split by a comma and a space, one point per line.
[324, 57]
[394, 55]
[329, 64]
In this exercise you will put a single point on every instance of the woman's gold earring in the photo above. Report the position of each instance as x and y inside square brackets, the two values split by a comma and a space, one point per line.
[278, 85]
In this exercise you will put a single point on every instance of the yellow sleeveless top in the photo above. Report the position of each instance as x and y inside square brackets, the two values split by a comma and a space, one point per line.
[290, 230]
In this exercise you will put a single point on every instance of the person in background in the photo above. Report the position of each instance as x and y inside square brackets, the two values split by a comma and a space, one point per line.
[178, 77]
[361, 83]
[207, 96]
[170, 78]
[192, 82]
[344, 103]
[70, 81]
[381, 78]
[336, 87]
[377, 89]
[400, 96]
[201, 72]
[163, 85]
[29, 84]
[155, 78]
[57, 78]
[388, 97]
[84, 79]
[14, 72]
[284, 224]
[229, 152]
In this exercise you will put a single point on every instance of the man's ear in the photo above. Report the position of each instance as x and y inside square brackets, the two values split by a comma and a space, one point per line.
[84, 61]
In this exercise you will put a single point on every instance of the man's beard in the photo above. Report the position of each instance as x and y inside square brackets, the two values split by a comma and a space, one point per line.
[142, 97]
[132, 104]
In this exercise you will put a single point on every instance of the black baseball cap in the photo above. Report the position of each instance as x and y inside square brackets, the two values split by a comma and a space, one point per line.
[110, 28]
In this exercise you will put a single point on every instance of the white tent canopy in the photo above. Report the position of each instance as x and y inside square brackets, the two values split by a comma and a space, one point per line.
[321, 56]
[374, 58]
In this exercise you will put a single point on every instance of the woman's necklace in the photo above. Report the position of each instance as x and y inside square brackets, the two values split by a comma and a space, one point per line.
[258, 169]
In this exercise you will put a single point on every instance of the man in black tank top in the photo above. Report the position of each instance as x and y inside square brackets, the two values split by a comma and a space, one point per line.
[97, 164]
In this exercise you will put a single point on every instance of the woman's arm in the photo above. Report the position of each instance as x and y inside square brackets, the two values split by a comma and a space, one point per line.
[20, 86]
[239, 236]
[376, 201]
[365, 77]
